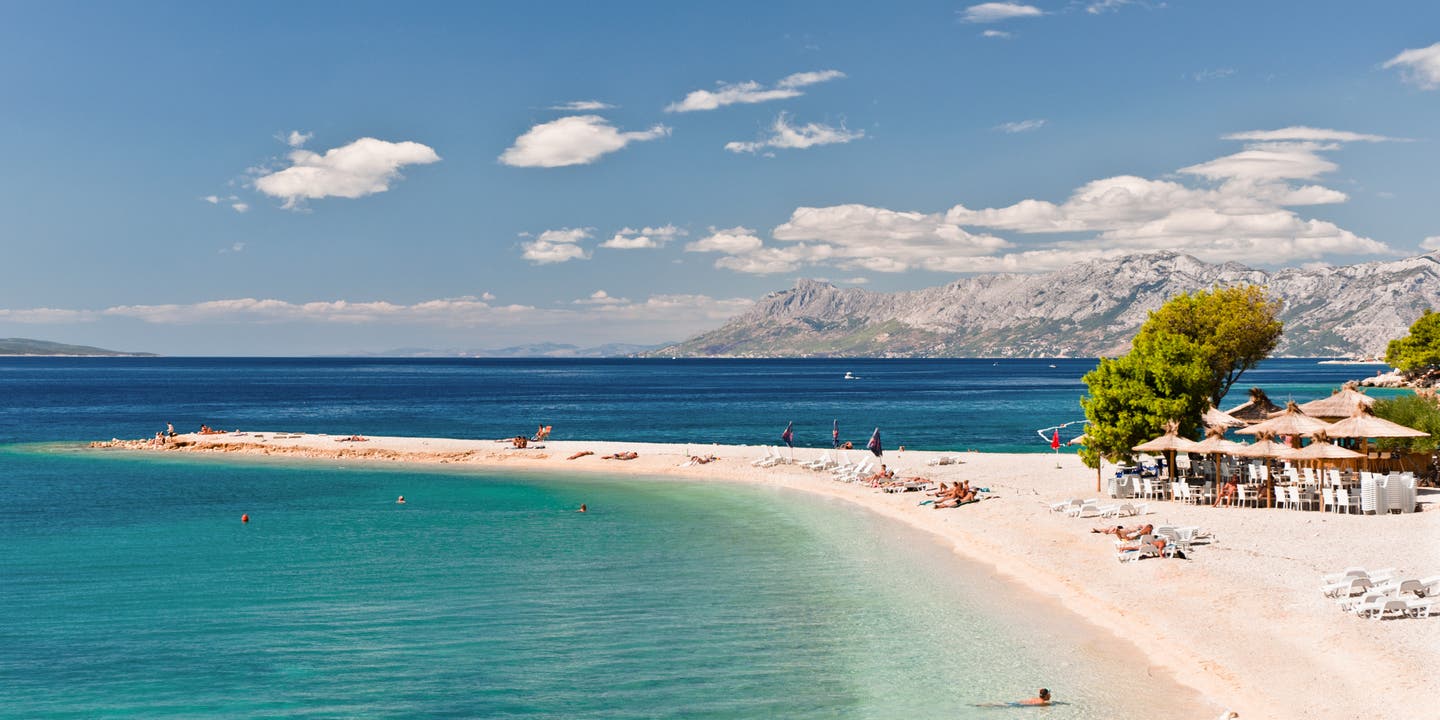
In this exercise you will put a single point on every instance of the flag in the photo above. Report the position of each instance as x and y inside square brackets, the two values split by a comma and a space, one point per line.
[1055, 441]
[788, 436]
[874, 444]
[835, 434]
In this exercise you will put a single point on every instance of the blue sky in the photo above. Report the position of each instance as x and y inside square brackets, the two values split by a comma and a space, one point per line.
[307, 178]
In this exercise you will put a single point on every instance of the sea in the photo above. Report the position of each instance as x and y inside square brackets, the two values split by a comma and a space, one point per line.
[130, 588]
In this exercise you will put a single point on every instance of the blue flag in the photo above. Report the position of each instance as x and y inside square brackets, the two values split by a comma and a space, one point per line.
[788, 436]
[874, 444]
[835, 434]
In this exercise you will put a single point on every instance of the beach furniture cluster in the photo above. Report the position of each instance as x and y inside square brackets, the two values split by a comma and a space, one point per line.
[1381, 594]
[1092, 507]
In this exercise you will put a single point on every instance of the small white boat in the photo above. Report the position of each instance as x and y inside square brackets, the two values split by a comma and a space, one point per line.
[850, 376]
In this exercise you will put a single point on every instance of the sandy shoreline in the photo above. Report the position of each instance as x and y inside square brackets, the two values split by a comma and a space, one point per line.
[1242, 621]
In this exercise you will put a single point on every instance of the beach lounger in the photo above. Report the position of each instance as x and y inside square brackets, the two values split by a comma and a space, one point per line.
[1420, 608]
[1064, 505]
[1144, 551]
[943, 460]
[1349, 572]
[1347, 588]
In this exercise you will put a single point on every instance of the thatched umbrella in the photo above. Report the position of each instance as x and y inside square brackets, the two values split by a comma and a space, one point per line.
[1213, 418]
[1290, 422]
[1257, 409]
[1216, 445]
[1267, 448]
[1169, 443]
[1364, 425]
[1341, 404]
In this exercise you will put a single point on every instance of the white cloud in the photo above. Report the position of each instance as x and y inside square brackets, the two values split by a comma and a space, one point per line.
[1302, 133]
[732, 241]
[1216, 74]
[862, 237]
[556, 246]
[212, 199]
[1419, 66]
[573, 140]
[240, 207]
[600, 297]
[656, 317]
[364, 167]
[644, 238]
[801, 79]
[995, 34]
[582, 106]
[785, 135]
[487, 297]
[234, 248]
[1431, 243]
[1096, 8]
[1021, 126]
[750, 92]
[297, 139]
[997, 11]
[1246, 216]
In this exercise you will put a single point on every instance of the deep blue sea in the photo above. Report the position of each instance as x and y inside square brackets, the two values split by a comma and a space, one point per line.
[129, 588]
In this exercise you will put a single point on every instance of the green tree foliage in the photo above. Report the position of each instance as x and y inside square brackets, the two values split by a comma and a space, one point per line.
[1164, 377]
[1235, 328]
[1416, 411]
[1420, 350]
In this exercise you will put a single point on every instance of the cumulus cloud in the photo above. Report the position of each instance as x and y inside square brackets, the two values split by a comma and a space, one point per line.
[296, 139]
[582, 106]
[239, 207]
[1419, 66]
[785, 135]
[644, 238]
[364, 167]
[997, 11]
[1431, 243]
[573, 140]
[556, 246]
[600, 297]
[212, 199]
[995, 34]
[751, 92]
[1246, 215]
[1021, 126]
[732, 241]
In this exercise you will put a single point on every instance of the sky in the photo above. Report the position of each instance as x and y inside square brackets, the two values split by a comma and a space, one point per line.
[273, 178]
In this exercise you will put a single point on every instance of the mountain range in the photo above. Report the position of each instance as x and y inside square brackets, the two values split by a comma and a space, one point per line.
[1088, 309]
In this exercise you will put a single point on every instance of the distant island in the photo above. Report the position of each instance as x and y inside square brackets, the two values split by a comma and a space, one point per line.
[26, 346]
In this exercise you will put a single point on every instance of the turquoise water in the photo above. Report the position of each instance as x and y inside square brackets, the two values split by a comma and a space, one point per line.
[131, 589]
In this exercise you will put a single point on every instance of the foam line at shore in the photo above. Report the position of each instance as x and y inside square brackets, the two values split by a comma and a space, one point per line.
[1241, 621]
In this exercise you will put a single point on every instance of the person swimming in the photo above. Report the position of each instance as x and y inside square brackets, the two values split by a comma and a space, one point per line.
[1041, 698]
[400, 500]
[582, 508]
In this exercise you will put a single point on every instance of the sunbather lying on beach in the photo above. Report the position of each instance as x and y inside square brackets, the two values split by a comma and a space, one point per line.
[580, 454]
[1158, 543]
[1113, 530]
[621, 456]
[1137, 533]
[353, 438]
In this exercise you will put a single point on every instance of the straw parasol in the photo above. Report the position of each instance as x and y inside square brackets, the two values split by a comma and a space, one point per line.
[1341, 404]
[1322, 450]
[1364, 425]
[1266, 447]
[1290, 422]
[1257, 409]
[1215, 444]
[1169, 443]
[1214, 418]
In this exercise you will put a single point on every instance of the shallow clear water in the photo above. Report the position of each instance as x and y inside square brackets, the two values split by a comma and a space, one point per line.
[133, 589]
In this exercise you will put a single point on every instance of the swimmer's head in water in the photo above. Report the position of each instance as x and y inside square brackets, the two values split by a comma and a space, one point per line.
[1044, 694]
